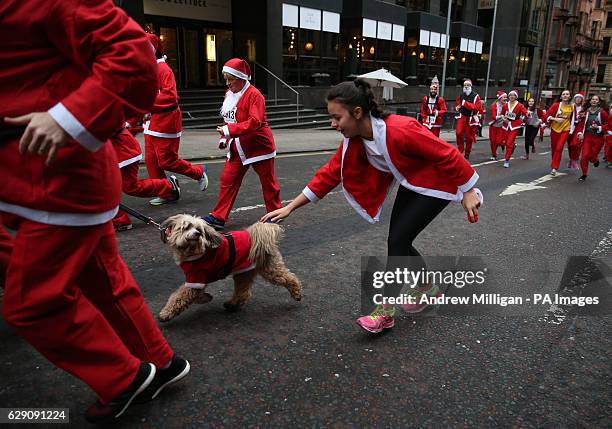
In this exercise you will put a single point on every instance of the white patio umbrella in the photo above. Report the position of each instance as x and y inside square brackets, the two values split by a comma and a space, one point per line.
[385, 79]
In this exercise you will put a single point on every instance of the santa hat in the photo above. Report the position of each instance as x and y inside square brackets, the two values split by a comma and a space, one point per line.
[515, 92]
[501, 94]
[579, 94]
[467, 81]
[238, 67]
[156, 43]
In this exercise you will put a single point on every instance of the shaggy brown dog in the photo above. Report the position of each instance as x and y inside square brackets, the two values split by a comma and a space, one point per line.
[204, 256]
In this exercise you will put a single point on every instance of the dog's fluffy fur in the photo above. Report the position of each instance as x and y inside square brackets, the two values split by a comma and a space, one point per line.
[190, 236]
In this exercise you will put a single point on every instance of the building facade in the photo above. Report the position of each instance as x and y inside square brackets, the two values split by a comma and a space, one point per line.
[602, 82]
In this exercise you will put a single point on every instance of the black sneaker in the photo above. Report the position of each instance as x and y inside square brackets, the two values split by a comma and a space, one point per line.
[214, 222]
[99, 412]
[582, 178]
[176, 189]
[178, 369]
[596, 164]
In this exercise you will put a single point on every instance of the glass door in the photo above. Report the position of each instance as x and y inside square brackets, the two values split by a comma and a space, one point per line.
[192, 58]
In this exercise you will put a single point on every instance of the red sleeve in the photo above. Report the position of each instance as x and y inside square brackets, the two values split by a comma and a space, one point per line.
[457, 102]
[167, 96]
[423, 108]
[326, 179]
[552, 112]
[605, 122]
[475, 106]
[257, 113]
[443, 108]
[99, 37]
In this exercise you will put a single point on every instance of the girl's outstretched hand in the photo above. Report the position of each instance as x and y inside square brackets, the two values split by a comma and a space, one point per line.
[276, 215]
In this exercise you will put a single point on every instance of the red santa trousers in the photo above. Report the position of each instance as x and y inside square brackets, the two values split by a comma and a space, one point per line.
[435, 131]
[496, 137]
[510, 138]
[162, 154]
[591, 146]
[135, 187]
[6, 247]
[608, 149]
[557, 141]
[464, 130]
[70, 295]
[231, 178]
[574, 146]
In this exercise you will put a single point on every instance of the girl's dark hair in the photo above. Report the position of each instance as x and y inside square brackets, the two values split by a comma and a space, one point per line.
[357, 93]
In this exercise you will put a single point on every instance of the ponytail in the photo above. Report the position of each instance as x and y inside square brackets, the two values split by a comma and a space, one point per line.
[354, 94]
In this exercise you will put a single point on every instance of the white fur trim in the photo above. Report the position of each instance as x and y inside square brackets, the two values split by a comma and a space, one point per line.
[57, 218]
[247, 161]
[226, 131]
[236, 73]
[470, 183]
[72, 126]
[162, 135]
[130, 161]
[244, 270]
[195, 285]
[310, 195]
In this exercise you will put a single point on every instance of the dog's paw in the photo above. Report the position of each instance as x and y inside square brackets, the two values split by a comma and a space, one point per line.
[165, 315]
[230, 306]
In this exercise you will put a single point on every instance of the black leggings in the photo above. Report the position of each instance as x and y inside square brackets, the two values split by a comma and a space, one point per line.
[411, 213]
[530, 135]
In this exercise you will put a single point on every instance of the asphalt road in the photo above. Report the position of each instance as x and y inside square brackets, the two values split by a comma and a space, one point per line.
[279, 363]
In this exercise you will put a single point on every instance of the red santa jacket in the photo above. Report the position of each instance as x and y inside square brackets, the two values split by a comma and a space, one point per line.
[210, 267]
[515, 115]
[578, 118]
[470, 106]
[496, 115]
[602, 120]
[418, 160]
[126, 147]
[166, 117]
[553, 111]
[432, 114]
[250, 132]
[90, 67]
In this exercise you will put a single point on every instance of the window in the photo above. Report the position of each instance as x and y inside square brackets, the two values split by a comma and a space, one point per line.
[606, 46]
[601, 72]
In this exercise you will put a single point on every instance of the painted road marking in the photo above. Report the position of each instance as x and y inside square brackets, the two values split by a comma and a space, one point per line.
[522, 187]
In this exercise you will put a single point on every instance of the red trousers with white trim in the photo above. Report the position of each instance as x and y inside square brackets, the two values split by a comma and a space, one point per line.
[574, 147]
[557, 141]
[435, 131]
[496, 138]
[6, 248]
[136, 187]
[510, 138]
[231, 179]
[162, 154]
[70, 295]
[465, 132]
[591, 146]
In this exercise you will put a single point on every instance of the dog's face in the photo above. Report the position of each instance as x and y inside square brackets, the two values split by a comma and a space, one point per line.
[189, 236]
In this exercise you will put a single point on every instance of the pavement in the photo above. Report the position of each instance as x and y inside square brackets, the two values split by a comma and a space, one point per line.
[279, 363]
[199, 145]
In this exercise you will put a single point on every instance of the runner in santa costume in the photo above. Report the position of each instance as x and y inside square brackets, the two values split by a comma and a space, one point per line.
[379, 149]
[163, 132]
[542, 116]
[433, 109]
[559, 116]
[513, 114]
[496, 132]
[129, 156]
[71, 82]
[468, 105]
[248, 139]
[592, 133]
[533, 124]
[574, 144]
[608, 139]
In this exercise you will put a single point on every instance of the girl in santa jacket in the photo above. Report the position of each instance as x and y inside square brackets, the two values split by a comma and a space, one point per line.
[379, 149]
[249, 141]
[574, 144]
[533, 124]
[496, 132]
[559, 116]
[592, 133]
[163, 132]
[513, 113]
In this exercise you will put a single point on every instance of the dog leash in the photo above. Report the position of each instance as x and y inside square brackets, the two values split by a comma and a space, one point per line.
[145, 219]
[227, 270]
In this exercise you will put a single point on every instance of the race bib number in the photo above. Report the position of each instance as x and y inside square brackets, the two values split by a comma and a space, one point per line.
[230, 116]
[511, 116]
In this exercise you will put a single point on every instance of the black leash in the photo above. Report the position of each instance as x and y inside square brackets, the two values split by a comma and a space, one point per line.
[232, 254]
[145, 219]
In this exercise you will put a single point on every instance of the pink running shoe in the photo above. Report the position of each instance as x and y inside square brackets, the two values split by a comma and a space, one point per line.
[378, 320]
[433, 292]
